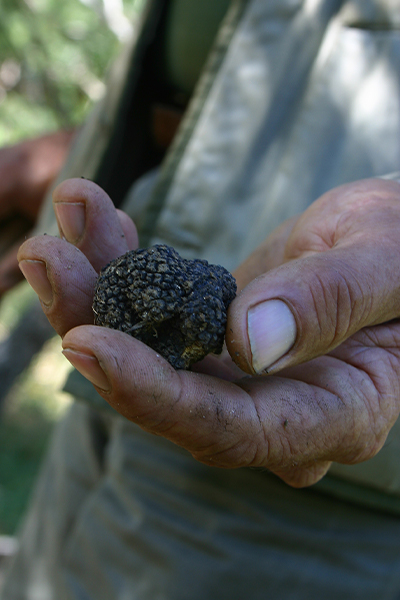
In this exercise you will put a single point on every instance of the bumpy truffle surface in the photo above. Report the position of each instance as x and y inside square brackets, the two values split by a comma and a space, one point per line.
[174, 305]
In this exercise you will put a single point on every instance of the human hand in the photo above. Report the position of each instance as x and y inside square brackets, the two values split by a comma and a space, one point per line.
[26, 171]
[334, 390]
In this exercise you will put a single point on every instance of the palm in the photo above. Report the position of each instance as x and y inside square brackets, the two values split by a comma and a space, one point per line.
[336, 401]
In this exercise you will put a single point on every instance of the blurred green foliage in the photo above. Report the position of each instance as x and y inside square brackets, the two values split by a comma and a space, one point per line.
[53, 58]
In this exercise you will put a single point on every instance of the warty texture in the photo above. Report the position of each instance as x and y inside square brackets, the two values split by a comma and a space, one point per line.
[176, 306]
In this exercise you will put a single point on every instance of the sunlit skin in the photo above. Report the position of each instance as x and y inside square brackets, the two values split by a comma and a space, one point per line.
[332, 397]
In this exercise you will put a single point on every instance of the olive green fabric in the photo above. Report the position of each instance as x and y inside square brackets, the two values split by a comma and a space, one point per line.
[121, 515]
[190, 31]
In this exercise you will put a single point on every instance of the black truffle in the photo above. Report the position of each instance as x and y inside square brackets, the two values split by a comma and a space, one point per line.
[174, 305]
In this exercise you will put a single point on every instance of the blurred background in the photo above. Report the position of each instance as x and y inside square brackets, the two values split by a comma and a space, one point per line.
[53, 59]
[53, 56]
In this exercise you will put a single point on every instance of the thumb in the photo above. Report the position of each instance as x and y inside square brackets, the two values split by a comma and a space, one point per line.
[308, 306]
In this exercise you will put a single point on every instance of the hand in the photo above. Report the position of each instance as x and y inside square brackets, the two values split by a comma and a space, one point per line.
[27, 169]
[320, 317]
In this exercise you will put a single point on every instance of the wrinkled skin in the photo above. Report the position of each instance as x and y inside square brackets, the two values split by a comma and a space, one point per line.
[332, 397]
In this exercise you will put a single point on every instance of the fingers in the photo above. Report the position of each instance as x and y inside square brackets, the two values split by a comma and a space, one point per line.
[63, 279]
[288, 426]
[341, 274]
[213, 419]
[190, 409]
[335, 273]
[64, 272]
[87, 218]
[128, 229]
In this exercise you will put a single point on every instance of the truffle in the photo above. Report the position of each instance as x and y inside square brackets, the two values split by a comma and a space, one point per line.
[174, 305]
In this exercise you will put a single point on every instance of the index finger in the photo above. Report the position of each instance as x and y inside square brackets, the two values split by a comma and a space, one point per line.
[88, 219]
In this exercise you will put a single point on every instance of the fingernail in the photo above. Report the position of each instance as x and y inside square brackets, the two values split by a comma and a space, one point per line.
[35, 273]
[70, 219]
[272, 332]
[89, 367]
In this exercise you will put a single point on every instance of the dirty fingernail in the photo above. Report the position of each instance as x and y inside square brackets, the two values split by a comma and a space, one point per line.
[35, 273]
[89, 367]
[272, 332]
[70, 219]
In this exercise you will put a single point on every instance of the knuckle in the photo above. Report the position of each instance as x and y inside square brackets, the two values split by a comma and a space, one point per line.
[340, 303]
[369, 432]
[233, 455]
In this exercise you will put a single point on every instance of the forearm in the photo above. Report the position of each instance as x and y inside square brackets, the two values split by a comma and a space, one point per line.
[28, 168]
